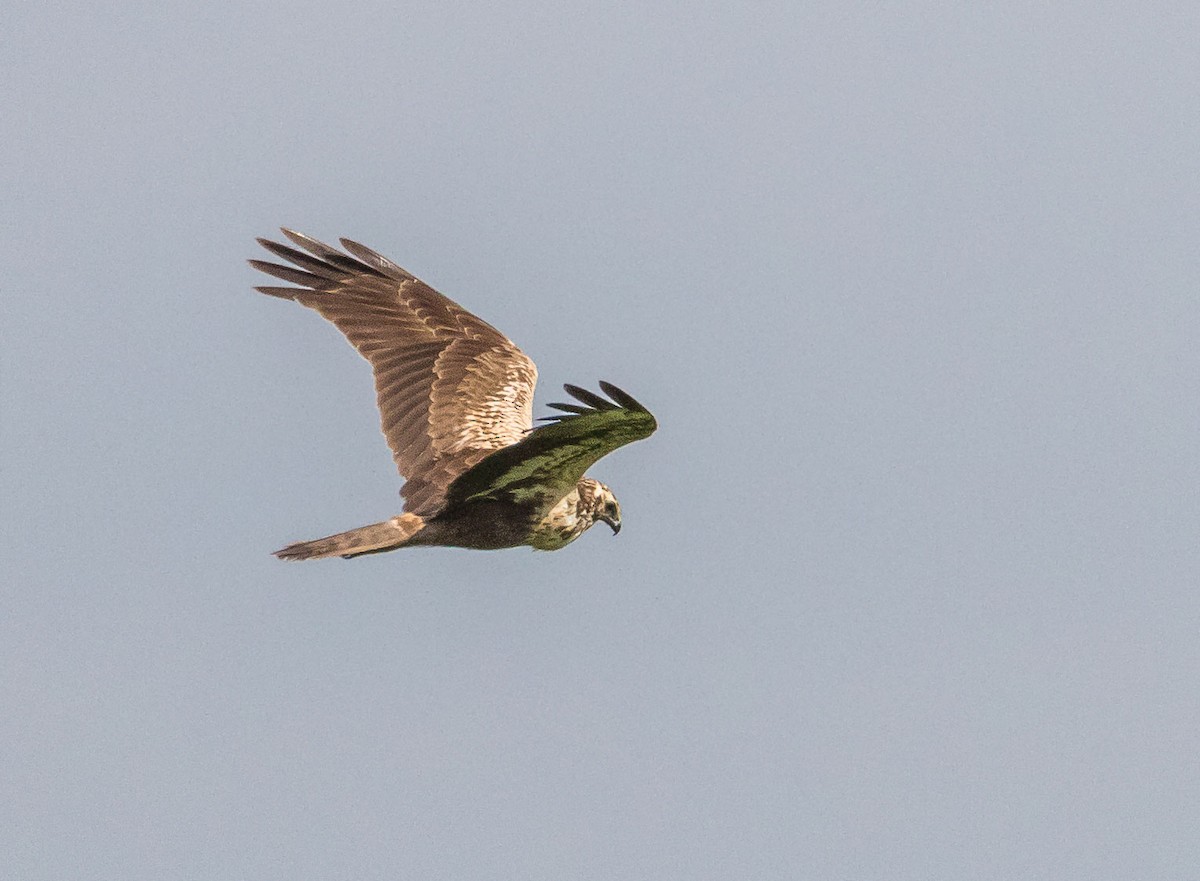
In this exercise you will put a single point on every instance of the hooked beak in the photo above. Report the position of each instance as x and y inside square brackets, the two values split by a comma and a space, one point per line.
[614, 524]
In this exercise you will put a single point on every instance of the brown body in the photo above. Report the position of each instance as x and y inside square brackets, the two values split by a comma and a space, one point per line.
[483, 526]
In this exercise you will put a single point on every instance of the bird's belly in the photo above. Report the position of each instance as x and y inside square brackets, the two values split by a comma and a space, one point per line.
[482, 525]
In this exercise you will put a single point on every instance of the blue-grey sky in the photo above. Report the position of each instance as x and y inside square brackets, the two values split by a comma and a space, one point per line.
[908, 581]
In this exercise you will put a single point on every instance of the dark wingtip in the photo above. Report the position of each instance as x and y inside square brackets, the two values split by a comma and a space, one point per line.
[569, 408]
[289, 273]
[625, 399]
[592, 399]
[309, 244]
[592, 402]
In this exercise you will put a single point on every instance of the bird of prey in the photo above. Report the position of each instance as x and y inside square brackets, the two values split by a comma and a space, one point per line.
[455, 397]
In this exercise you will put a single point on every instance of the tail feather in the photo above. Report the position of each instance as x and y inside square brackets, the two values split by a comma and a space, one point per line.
[371, 539]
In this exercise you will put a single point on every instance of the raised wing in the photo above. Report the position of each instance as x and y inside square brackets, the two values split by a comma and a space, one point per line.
[451, 388]
[547, 464]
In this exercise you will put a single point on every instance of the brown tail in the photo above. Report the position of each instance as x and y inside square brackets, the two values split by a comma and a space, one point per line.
[371, 539]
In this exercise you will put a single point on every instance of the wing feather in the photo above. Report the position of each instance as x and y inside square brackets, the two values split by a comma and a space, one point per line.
[451, 389]
[592, 399]
[624, 399]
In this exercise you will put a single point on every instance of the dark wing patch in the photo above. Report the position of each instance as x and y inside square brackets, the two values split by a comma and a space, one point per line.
[544, 466]
[451, 388]
[568, 408]
[592, 401]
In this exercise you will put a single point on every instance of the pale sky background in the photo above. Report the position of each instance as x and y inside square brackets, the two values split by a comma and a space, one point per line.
[909, 580]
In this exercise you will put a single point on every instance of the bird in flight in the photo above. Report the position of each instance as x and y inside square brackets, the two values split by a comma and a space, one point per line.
[455, 397]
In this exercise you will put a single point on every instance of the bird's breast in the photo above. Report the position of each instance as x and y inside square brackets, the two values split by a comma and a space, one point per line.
[561, 526]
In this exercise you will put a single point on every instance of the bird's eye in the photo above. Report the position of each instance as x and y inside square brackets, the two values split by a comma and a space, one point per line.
[610, 509]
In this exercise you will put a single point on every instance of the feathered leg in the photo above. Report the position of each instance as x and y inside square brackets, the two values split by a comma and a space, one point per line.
[371, 539]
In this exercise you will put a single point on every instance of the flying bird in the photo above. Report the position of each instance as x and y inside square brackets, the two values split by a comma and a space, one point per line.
[455, 398]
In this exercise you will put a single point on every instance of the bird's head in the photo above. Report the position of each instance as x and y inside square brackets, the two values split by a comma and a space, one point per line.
[604, 505]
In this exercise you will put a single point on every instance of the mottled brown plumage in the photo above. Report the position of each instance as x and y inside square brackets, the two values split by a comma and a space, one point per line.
[455, 399]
